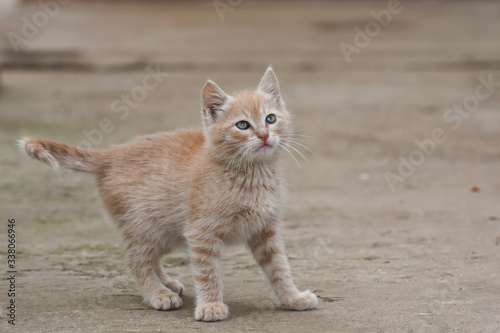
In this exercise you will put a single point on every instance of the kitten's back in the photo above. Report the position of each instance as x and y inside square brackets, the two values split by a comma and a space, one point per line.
[150, 177]
[153, 153]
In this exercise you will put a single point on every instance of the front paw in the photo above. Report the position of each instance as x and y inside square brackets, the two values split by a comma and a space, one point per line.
[305, 300]
[175, 286]
[165, 301]
[211, 312]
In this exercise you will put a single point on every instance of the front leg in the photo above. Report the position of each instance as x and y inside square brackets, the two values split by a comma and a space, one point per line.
[205, 263]
[268, 249]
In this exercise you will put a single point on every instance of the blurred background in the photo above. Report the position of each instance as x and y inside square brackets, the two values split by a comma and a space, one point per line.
[394, 221]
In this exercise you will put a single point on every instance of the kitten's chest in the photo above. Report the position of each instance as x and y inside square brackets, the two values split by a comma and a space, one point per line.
[251, 205]
[255, 202]
[236, 206]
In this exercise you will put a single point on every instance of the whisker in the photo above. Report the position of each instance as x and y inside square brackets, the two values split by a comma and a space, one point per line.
[304, 135]
[241, 158]
[295, 133]
[230, 146]
[282, 146]
[245, 158]
[298, 139]
[292, 147]
[234, 159]
[300, 144]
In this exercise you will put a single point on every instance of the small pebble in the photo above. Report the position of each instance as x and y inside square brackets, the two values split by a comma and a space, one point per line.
[474, 189]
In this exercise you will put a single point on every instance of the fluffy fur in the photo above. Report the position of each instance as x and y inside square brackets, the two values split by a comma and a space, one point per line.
[204, 189]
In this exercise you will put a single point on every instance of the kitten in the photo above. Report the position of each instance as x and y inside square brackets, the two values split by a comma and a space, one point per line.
[204, 189]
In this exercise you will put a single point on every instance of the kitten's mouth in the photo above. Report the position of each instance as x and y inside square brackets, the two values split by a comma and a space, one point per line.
[265, 146]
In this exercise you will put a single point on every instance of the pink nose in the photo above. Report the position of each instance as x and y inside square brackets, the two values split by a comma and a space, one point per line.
[264, 136]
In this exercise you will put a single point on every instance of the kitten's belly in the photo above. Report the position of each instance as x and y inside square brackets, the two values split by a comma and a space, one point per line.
[151, 210]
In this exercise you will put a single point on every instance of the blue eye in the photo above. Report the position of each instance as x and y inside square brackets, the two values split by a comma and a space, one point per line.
[243, 125]
[271, 119]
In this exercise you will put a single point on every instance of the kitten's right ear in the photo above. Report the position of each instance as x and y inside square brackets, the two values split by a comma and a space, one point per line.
[212, 100]
[269, 85]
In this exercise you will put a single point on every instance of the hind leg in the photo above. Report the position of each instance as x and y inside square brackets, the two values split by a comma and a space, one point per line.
[167, 281]
[144, 265]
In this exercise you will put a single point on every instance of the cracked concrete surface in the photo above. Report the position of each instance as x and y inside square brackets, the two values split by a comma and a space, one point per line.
[421, 258]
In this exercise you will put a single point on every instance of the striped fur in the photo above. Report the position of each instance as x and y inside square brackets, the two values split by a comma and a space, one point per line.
[204, 189]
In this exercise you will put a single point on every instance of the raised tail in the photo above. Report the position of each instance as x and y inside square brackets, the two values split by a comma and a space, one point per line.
[60, 155]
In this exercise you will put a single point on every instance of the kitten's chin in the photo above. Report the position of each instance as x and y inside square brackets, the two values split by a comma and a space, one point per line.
[265, 152]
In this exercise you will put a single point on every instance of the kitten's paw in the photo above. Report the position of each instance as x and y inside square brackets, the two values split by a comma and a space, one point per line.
[305, 300]
[175, 286]
[165, 301]
[211, 312]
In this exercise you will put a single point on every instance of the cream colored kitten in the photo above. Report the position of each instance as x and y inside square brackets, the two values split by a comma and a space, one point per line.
[204, 189]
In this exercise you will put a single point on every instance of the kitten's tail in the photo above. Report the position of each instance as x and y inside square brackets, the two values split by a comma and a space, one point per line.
[60, 155]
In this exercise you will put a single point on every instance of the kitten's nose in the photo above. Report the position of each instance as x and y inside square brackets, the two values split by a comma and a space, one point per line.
[264, 136]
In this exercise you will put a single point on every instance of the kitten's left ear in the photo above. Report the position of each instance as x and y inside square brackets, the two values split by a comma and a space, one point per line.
[269, 85]
[212, 100]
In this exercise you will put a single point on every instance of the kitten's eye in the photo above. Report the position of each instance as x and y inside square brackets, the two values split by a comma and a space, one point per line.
[271, 119]
[243, 125]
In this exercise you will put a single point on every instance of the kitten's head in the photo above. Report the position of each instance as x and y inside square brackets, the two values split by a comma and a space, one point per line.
[246, 126]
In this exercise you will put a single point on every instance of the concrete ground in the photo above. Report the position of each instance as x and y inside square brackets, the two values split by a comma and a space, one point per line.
[395, 222]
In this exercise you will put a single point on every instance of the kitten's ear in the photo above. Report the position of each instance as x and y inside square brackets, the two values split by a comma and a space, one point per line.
[269, 85]
[212, 100]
